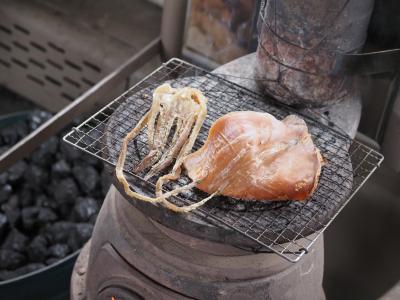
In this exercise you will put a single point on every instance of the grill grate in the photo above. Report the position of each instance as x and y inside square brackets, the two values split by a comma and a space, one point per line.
[288, 228]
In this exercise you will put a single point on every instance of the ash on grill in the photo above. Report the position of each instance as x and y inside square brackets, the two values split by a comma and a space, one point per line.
[48, 201]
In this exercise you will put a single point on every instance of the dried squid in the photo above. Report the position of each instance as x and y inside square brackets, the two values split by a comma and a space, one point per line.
[254, 156]
[247, 155]
[176, 112]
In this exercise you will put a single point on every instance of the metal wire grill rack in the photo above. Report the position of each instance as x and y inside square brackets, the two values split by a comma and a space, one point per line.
[288, 228]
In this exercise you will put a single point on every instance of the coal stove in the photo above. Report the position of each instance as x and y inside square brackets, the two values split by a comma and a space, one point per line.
[225, 249]
[133, 257]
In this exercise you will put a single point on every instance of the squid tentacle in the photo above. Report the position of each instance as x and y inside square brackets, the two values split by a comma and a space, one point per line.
[154, 154]
[154, 111]
[161, 199]
[168, 156]
[121, 177]
[148, 160]
[176, 170]
[121, 160]
[160, 120]
[151, 119]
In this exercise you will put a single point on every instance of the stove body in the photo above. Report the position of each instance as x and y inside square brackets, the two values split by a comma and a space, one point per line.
[142, 251]
[132, 257]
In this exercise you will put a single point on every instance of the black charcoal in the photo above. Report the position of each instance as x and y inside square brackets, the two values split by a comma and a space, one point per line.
[59, 250]
[3, 226]
[70, 153]
[5, 192]
[84, 231]
[92, 219]
[80, 235]
[38, 117]
[46, 215]
[10, 134]
[87, 177]
[64, 211]
[37, 249]
[87, 159]
[40, 195]
[97, 193]
[51, 144]
[84, 209]
[36, 177]
[15, 241]
[26, 197]
[60, 169]
[29, 217]
[11, 210]
[33, 217]
[16, 172]
[10, 259]
[58, 232]
[44, 201]
[22, 129]
[64, 191]
[34, 122]
[3, 177]
[74, 242]
[43, 156]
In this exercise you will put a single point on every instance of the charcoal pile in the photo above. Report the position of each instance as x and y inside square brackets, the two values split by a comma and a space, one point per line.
[48, 201]
[12, 133]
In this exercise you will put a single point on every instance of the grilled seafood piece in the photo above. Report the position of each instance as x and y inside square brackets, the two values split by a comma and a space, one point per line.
[184, 110]
[248, 155]
[257, 157]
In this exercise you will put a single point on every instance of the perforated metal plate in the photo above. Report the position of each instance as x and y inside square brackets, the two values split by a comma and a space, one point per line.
[49, 59]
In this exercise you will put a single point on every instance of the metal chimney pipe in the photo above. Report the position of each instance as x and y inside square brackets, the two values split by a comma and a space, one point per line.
[301, 47]
[172, 28]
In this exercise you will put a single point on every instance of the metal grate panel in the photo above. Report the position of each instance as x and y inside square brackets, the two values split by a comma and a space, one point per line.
[49, 59]
[288, 228]
[44, 64]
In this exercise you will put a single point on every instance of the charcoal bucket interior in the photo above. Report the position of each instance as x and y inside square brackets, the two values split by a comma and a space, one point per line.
[50, 283]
